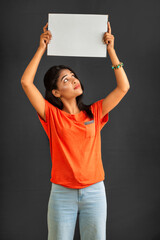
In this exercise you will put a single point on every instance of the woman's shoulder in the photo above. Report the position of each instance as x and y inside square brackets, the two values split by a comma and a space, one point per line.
[50, 104]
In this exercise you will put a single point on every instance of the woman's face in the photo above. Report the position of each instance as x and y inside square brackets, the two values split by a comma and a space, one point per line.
[66, 84]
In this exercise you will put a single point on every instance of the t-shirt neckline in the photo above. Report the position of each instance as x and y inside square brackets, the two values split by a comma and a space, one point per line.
[69, 114]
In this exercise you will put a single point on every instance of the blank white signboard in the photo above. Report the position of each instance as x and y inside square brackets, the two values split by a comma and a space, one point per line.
[79, 35]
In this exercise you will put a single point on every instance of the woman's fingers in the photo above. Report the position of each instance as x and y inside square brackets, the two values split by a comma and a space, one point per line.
[46, 39]
[48, 33]
[109, 28]
[107, 37]
[107, 34]
[45, 27]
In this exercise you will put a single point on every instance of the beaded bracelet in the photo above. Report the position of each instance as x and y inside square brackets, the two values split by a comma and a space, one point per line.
[117, 66]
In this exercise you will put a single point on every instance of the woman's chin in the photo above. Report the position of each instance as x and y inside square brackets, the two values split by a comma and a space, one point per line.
[79, 92]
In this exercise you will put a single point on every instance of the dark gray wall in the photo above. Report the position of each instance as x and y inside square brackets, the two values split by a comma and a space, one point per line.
[130, 140]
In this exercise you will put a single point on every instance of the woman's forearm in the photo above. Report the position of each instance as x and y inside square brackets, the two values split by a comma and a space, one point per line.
[30, 71]
[121, 77]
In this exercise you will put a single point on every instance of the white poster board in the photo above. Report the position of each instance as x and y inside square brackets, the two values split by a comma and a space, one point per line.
[78, 35]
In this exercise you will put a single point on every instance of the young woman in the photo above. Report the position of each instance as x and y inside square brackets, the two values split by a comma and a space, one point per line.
[73, 130]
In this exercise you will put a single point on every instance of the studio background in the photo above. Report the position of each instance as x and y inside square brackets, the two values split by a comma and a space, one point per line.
[130, 139]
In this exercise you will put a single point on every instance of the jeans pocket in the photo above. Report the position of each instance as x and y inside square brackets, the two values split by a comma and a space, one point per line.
[97, 186]
[58, 188]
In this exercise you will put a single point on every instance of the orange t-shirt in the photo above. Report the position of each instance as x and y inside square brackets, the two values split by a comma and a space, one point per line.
[75, 145]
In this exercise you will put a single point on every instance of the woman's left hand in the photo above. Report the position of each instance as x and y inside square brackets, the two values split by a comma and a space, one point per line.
[108, 38]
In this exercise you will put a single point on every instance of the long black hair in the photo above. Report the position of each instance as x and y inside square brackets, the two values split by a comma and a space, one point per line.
[50, 83]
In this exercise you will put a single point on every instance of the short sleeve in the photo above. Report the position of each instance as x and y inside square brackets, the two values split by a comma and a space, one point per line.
[46, 124]
[97, 109]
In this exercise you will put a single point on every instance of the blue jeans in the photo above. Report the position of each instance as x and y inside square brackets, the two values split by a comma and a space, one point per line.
[66, 203]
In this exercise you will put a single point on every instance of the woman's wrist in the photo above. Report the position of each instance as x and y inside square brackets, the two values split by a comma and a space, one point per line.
[113, 56]
[110, 50]
[41, 50]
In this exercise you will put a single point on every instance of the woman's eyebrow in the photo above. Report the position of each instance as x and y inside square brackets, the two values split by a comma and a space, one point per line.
[65, 76]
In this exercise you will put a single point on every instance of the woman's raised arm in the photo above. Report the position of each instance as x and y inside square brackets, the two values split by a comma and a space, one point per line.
[27, 79]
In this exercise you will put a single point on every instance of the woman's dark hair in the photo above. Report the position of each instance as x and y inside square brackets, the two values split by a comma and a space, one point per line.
[50, 83]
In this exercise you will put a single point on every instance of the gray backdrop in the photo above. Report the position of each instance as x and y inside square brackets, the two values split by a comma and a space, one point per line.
[130, 140]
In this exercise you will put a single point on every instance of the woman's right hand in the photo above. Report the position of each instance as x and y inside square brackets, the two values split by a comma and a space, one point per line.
[45, 38]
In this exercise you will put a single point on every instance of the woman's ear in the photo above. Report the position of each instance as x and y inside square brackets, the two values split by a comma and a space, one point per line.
[55, 93]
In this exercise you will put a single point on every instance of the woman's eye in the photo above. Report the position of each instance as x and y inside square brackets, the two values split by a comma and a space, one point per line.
[67, 79]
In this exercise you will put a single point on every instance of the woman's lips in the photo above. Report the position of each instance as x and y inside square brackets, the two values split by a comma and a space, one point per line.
[77, 87]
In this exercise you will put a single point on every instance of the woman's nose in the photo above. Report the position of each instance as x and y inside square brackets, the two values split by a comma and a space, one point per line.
[75, 81]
